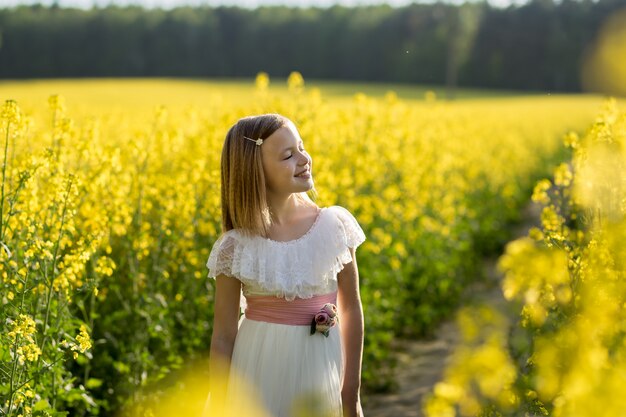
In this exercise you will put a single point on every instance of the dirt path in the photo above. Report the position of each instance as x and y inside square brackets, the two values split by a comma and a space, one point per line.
[421, 362]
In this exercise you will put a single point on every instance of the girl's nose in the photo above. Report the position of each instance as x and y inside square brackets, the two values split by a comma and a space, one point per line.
[304, 159]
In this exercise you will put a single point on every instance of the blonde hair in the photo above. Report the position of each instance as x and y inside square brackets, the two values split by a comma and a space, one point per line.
[244, 200]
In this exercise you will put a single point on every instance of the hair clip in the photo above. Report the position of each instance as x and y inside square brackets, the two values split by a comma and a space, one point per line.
[258, 141]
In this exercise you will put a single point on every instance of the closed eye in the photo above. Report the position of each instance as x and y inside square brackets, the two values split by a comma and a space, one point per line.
[302, 150]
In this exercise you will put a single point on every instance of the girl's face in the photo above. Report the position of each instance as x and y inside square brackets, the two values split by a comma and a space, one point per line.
[286, 165]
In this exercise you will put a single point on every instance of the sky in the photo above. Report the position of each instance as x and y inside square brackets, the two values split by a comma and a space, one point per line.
[251, 4]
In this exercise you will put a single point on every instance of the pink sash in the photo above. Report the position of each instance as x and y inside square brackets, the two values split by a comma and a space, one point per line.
[273, 309]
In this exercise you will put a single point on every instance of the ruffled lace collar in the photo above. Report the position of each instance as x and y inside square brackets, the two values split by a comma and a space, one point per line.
[299, 267]
[304, 236]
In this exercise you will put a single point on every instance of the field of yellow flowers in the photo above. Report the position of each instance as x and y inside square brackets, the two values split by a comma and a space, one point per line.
[110, 206]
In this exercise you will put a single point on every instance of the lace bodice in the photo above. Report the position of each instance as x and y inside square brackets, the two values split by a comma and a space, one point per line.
[301, 267]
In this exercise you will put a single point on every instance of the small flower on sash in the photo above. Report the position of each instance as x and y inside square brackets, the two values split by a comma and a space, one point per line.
[324, 319]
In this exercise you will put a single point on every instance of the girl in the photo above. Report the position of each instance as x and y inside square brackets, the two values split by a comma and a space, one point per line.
[301, 338]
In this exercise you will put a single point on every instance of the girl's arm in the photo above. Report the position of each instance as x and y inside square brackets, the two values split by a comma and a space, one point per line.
[351, 325]
[225, 326]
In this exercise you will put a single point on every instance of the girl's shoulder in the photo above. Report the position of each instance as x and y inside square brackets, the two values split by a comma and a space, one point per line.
[344, 226]
[342, 213]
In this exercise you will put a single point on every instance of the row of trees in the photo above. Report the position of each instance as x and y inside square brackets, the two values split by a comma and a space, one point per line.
[540, 45]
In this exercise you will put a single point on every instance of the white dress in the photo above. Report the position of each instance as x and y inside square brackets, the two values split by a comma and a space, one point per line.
[286, 365]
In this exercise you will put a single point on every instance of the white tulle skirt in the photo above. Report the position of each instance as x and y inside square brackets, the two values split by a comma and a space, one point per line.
[293, 372]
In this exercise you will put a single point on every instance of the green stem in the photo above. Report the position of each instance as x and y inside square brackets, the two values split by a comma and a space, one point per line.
[90, 320]
[4, 168]
[12, 391]
[51, 283]
[13, 371]
[39, 371]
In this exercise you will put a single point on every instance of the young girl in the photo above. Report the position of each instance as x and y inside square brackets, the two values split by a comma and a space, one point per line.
[301, 338]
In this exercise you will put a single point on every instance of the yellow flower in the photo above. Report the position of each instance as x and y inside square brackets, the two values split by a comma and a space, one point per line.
[11, 112]
[56, 103]
[24, 326]
[571, 140]
[29, 352]
[83, 338]
[540, 192]
[262, 81]
[563, 175]
[295, 81]
[430, 96]
[105, 266]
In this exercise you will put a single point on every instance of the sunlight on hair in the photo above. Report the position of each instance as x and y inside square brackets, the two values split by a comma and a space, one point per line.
[604, 70]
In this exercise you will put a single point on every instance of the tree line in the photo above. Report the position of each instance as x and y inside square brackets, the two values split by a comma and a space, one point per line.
[537, 46]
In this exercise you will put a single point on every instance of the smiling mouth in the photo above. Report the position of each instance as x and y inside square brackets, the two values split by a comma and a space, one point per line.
[303, 174]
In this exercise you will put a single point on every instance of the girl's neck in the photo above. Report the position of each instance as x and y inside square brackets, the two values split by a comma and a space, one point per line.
[283, 210]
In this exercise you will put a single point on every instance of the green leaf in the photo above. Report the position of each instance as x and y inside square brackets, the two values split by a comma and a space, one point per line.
[41, 405]
[5, 354]
[121, 367]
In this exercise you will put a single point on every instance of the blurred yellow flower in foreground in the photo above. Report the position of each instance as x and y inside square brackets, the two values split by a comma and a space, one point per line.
[192, 394]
